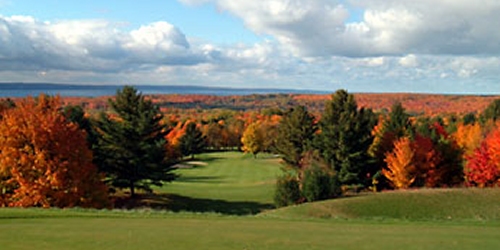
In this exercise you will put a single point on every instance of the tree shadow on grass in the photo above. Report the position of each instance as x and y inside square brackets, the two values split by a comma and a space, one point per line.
[179, 203]
[199, 179]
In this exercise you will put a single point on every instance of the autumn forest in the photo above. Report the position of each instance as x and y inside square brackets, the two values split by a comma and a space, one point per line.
[85, 152]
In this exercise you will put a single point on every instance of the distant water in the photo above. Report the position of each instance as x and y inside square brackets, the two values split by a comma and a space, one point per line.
[34, 89]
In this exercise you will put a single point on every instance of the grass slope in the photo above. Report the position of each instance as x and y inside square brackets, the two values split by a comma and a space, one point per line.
[425, 204]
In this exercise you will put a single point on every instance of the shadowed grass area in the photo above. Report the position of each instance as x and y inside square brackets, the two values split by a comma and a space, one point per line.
[178, 203]
[425, 204]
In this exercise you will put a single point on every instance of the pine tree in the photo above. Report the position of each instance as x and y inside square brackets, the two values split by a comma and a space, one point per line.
[345, 138]
[131, 145]
[192, 142]
[398, 122]
[295, 134]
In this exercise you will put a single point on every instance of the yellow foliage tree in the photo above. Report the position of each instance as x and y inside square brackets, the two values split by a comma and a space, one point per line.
[468, 137]
[252, 139]
[400, 168]
[44, 159]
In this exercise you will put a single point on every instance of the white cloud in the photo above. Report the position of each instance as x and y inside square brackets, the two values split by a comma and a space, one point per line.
[92, 45]
[388, 27]
[408, 61]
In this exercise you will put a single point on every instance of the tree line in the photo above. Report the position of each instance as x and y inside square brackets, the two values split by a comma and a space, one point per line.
[352, 149]
[56, 155]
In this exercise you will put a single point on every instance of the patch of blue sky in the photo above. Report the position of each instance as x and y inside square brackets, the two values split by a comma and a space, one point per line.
[203, 22]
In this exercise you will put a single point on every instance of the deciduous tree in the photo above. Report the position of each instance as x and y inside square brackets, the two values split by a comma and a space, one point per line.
[252, 139]
[400, 169]
[45, 160]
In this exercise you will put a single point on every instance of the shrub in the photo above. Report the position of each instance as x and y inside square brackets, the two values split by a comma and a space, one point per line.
[319, 184]
[287, 191]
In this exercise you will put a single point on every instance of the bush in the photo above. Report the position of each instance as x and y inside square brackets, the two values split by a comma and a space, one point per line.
[287, 191]
[319, 184]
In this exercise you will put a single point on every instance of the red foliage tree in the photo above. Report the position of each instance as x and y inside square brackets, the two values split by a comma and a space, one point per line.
[480, 169]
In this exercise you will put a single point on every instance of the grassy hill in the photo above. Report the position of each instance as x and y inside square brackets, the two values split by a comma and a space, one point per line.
[424, 204]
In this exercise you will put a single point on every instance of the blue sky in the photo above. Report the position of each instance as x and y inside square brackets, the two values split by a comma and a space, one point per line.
[433, 46]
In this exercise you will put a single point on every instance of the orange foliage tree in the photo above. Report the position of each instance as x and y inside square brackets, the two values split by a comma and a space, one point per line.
[45, 160]
[400, 169]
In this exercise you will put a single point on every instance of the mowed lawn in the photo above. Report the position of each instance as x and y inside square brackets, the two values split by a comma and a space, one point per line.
[230, 176]
[217, 201]
[184, 231]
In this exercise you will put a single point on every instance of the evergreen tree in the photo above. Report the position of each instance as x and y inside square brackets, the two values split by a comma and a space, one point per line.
[131, 147]
[399, 121]
[295, 134]
[192, 142]
[492, 112]
[345, 138]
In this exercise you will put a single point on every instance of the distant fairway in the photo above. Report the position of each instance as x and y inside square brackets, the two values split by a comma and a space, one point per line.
[230, 176]
[217, 200]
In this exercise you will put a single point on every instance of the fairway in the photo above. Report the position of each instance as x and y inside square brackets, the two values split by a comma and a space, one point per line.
[230, 176]
[224, 201]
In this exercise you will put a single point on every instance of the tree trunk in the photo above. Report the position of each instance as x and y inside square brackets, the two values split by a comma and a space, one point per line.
[132, 189]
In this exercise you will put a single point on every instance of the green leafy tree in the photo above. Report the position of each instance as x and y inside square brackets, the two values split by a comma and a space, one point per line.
[295, 134]
[287, 191]
[492, 112]
[318, 181]
[345, 138]
[192, 142]
[131, 143]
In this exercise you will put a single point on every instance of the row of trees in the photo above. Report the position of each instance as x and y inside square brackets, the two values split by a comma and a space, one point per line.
[52, 155]
[351, 147]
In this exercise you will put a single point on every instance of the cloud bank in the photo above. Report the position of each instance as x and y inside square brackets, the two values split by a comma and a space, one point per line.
[361, 45]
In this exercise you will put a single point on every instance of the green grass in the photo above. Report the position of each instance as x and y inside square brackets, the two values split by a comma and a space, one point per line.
[69, 229]
[212, 206]
[229, 176]
[425, 204]
[227, 182]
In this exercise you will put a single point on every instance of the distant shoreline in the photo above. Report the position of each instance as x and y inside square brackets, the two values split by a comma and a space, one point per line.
[70, 90]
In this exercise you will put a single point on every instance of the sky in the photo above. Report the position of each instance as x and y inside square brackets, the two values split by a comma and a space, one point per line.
[425, 46]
